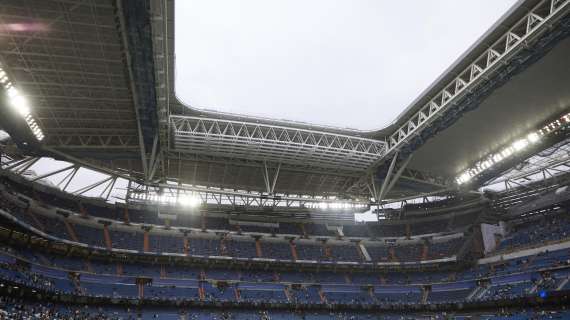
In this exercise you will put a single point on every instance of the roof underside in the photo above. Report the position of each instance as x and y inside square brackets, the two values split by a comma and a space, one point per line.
[72, 70]
[524, 103]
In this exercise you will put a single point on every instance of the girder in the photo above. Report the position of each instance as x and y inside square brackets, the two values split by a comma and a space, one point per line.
[234, 139]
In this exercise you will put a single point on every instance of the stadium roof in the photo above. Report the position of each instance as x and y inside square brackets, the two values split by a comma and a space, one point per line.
[99, 77]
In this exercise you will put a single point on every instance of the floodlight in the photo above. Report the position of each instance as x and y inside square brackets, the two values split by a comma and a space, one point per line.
[520, 144]
[189, 201]
[533, 137]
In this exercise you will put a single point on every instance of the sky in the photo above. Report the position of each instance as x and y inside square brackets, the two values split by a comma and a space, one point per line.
[344, 63]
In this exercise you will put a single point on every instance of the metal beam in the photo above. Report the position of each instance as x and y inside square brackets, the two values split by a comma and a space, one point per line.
[387, 179]
[396, 177]
[53, 173]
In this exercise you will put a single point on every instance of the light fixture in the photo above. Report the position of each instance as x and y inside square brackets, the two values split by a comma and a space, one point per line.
[20, 104]
[517, 146]
[190, 201]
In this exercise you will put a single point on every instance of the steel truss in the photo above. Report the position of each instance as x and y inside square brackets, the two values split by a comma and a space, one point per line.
[162, 58]
[515, 39]
[171, 192]
[399, 172]
[544, 166]
[233, 139]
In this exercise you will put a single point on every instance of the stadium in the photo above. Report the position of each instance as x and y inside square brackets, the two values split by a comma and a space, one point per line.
[120, 201]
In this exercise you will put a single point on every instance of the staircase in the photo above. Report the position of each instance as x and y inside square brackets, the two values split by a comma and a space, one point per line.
[363, 252]
[562, 284]
[76, 284]
[536, 285]
[477, 293]
[425, 295]
[287, 293]
[322, 295]
[237, 294]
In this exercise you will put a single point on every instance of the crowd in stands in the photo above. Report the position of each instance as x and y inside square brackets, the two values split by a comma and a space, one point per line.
[536, 232]
[118, 279]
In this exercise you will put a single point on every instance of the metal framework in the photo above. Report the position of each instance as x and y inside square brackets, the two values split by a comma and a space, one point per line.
[534, 179]
[256, 141]
[547, 164]
[535, 21]
[72, 71]
[129, 189]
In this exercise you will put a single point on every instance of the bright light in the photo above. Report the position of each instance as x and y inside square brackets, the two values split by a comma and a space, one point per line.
[533, 137]
[190, 201]
[520, 144]
[20, 104]
[498, 158]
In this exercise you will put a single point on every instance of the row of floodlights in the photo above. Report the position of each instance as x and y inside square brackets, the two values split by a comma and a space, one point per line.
[182, 199]
[515, 147]
[195, 201]
[334, 205]
[20, 104]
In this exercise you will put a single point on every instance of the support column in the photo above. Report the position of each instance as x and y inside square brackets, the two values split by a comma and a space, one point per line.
[83, 210]
[70, 230]
[425, 251]
[37, 223]
[186, 245]
[107, 237]
[146, 241]
[392, 252]
[258, 251]
[126, 217]
[293, 250]
[328, 253]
